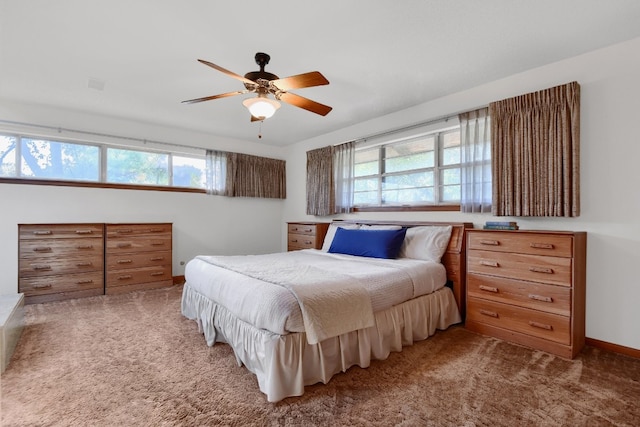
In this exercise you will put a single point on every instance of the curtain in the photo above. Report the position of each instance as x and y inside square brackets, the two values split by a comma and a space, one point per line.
[254, 176]
[475, 159]
[536, 153]
[343, 157]
[320, 194]
[216, 172]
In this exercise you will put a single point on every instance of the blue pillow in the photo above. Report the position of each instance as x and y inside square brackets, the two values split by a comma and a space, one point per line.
[368, 243]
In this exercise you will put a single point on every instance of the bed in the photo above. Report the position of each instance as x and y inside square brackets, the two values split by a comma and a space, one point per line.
[298, 318]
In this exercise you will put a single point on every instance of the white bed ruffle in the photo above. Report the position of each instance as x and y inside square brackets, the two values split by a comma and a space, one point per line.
[284, 364]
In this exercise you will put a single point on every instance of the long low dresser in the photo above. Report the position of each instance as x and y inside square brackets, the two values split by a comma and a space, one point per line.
[64, 261]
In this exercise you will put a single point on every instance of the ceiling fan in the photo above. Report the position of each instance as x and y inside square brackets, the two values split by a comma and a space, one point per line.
[264, 84]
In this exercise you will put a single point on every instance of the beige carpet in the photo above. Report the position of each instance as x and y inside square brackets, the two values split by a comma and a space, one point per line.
[133, 360]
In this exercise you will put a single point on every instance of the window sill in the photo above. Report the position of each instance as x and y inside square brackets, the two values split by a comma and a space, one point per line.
[100, 185]
[423, 208]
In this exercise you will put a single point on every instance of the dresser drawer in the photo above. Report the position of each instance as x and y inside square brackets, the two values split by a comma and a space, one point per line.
[301, 241]
[51, 248]
[556, 245]
[59, 231]
[54, 266]
[127, 230]
[138, 244]
[530, 322]
[303, 228]
[135, 260]
[32, 286]
[536, 296]
[541, 269]
[139, 275]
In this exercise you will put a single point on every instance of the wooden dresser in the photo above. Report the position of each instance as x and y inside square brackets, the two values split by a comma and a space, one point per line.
[138, 256]
[60, 261]
[306, 235]
[528, 287]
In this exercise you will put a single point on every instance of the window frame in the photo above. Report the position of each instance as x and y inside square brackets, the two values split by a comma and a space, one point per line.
[438, 167]
[101, 182]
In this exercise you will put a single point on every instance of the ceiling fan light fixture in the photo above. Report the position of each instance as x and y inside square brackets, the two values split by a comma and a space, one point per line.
[261, 107]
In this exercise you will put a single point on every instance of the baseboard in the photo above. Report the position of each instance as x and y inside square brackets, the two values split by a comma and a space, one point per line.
[603, 345]
[178, 280]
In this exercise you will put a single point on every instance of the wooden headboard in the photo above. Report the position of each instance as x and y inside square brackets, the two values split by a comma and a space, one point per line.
[453, 259]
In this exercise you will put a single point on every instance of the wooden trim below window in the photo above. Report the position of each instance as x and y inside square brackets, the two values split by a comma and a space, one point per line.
[421, 208]
[62, 183]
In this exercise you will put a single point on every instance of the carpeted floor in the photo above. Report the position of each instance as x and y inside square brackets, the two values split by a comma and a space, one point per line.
[133, 360]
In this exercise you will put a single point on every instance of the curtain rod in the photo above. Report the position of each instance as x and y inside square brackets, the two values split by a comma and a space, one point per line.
[85, 132]
[444, 118]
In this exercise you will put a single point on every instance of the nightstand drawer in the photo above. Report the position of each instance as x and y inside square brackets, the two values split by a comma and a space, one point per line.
[517, 319]
[303, 228]
[542, 297]
[541, 269]
[525, 243]
[301, 241]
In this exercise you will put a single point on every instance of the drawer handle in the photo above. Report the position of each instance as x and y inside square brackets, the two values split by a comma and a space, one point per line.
[42, 232]
[156, 258]
[85, 247]
[42, 249]
[84, 282]
[157, 243]
[124, 245]
[158, 273]
[294, 240]
[540, 298]
[125, 277]
[308, 242]
[48, 285]
[308, 230]
[84, 264]
[489, 313]
[541, 270]
[84, 231]
[541, 325]
[42, 267]
[490, 263]
[124, 261]
[124, 230]
[490, 242]
[294, 228]
[488, 289]
[541, 245]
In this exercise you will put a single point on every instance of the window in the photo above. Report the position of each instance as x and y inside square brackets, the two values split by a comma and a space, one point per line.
[27, 157]
[413, 171]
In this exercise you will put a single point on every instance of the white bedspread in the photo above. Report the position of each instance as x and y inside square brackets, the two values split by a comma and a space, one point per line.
[274, 307]
[331, 303]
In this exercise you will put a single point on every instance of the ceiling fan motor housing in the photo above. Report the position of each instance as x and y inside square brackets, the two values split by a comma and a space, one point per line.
[262, 59]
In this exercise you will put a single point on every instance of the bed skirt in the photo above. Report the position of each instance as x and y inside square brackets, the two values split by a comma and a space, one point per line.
[284, 364]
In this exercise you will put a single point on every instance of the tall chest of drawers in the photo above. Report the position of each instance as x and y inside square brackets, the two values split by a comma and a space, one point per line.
[306, 235]
[528, 287]
[60, 261]
[138, 256]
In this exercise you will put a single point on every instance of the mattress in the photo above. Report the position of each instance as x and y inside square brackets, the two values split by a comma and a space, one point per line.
[274, 308]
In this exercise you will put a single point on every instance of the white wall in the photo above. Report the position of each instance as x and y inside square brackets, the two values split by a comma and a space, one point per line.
[610, 154]
[201, 224]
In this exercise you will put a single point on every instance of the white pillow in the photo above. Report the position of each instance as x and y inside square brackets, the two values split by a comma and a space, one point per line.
[427, 242]
[331, 232]
[380, 227]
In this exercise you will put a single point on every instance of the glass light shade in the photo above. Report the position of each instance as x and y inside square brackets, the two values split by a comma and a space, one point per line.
[261, 107]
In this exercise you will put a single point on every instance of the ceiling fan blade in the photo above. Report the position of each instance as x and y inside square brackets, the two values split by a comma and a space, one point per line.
[209, 98]
[255, 119]
[314, 78]
[228, 73]
[307, 104]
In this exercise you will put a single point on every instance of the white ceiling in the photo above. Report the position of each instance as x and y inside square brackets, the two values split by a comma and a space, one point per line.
[379, 56]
